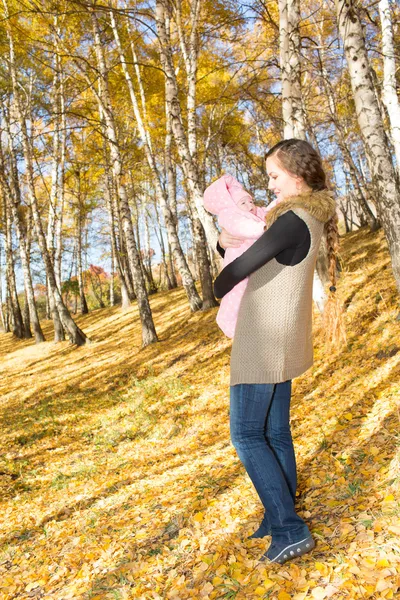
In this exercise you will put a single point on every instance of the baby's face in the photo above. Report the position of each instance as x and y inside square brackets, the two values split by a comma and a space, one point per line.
[246, 204]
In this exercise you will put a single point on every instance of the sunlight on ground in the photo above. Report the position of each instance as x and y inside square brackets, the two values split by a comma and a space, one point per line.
[118, 479]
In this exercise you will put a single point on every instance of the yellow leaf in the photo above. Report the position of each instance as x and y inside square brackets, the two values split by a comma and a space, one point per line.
[221, 570]
[394, 529]
[374, 451]
[348, 417]
[268, 584]
[319, 593]
[332, 503]
[217, 581]
[260, 591]
[323, 569]
[284, 596]
[206, 589]
[198, 516]
[382, 584]
[31, 586]
[389, 498]
[383, 563]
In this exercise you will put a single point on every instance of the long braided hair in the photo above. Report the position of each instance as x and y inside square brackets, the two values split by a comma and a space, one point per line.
[300, 159]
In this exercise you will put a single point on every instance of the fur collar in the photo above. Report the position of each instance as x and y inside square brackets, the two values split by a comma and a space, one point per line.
[320, 204]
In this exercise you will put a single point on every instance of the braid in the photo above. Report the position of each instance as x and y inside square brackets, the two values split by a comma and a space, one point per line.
[332, 243]
[333, 318]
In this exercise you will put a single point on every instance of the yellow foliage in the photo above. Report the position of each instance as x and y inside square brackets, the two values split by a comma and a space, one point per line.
[118, 477]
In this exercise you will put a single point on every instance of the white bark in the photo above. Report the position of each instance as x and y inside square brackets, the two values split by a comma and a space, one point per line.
[289, 32]
[75, 334]
[189, 165]
[149, 335]
[60, 188]
[29, 293]
[187, 280]
[389, 93]
[371, 127]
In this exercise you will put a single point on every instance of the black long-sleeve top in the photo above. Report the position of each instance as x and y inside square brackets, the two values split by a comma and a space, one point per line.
[287, 240]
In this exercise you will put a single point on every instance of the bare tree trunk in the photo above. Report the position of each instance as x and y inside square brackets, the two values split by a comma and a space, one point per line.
[17, 321]
[2, 315]
[203, 263]
[109, 194]
[341, 140]
[148, 254]
[75, 334]
[171, 225]
[371, 127]
[189, 165]
[160, 238]
[149, 335]
[172, 275]
[389, 92]
[289, 31]
[112, 301]
[79, 220]
[12, 194]
[31, 315]
[60, 188]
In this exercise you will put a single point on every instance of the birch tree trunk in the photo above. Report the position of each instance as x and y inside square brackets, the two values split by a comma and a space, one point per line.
[289, 36]
[389, 92]
[60, 187]
[2, 315]
[17, 321]
[149, 334]
[108, 191]
[30, 304]
[79, 221]
[189, 165]
[113, 269]
[75, 334]
[342, 141]
[371, 127]
[160, 238]
[171, 225]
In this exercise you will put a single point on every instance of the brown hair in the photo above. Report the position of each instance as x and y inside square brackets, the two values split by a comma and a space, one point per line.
[299, 158]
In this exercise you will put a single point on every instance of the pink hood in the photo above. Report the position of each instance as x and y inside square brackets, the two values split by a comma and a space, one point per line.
[223, 193]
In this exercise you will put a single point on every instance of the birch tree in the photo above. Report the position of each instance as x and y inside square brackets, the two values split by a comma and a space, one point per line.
[188, 159]
[11, 202]
[371, 126]
[292, 107]
[139, 111]
[389, 91]
[149, 334]
[76, 336]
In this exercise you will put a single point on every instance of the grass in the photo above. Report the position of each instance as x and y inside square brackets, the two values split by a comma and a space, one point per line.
[118, 479]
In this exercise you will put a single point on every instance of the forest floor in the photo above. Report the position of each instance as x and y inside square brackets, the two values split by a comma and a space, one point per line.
[118, 478]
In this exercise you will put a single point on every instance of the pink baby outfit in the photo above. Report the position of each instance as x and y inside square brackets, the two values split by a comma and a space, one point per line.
[221, 198]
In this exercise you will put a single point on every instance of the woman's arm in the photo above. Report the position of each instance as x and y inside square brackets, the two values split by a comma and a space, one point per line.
[227, 240]
[288, 231]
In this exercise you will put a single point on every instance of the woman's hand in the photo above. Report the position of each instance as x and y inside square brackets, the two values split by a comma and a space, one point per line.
[227, 240]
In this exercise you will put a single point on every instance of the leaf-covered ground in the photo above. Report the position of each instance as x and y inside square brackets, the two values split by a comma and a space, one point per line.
[118, 479]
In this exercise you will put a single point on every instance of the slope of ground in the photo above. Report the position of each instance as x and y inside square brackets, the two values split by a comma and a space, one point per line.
[118, 479]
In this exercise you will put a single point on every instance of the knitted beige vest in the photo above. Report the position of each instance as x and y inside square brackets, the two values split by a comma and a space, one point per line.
[273, 336]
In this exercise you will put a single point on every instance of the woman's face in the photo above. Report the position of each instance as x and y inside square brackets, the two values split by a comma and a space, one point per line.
[282, 183]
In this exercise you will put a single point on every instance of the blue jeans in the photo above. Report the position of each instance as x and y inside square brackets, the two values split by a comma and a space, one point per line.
[260, 433]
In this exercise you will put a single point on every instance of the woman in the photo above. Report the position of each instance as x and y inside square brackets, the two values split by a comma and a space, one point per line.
[273, 337]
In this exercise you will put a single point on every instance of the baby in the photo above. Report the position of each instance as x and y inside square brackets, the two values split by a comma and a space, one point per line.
[238, 214]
